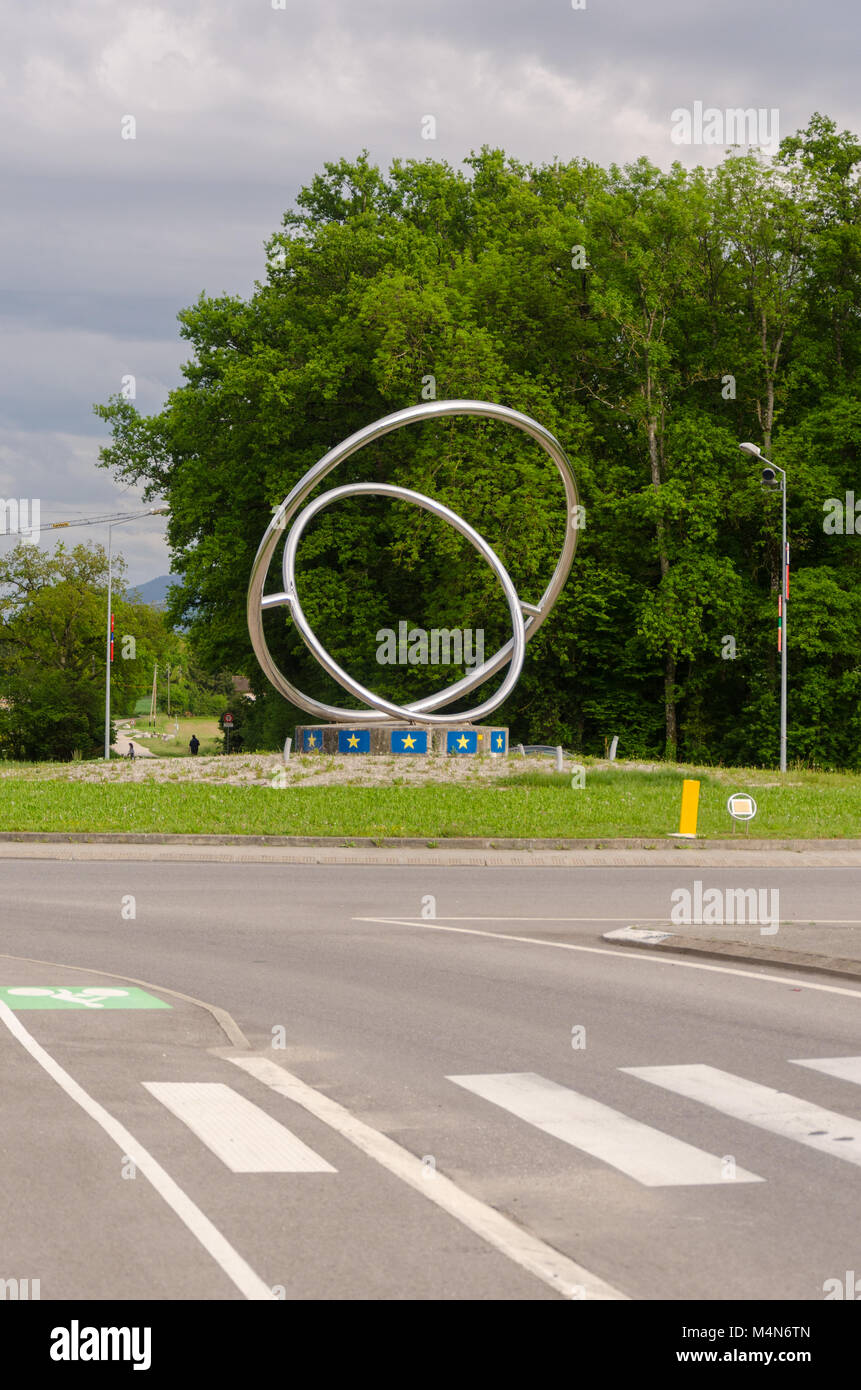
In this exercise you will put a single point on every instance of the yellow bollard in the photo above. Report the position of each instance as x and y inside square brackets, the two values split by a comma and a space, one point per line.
[690, 807]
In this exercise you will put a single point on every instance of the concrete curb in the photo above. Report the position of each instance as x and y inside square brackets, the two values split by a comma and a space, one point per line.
[534, 854]
[666, 845]
[735, 950]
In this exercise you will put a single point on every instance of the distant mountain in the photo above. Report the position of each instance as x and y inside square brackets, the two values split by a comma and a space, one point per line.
[154, 591]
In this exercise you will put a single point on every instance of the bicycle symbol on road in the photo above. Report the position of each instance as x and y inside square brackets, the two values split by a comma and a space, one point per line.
[90, 998]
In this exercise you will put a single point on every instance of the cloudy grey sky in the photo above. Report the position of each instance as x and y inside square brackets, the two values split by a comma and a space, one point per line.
[237, 103]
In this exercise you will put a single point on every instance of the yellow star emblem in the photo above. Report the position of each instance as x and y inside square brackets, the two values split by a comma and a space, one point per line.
[353, 740]
[409, 741]
[311, 741]
[463, 741]
[499, 740]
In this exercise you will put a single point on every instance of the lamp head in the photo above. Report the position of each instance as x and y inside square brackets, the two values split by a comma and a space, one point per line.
[752, 449]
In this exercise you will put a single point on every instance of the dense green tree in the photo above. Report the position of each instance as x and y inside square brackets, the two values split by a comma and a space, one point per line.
[52, 650]
[652, 320]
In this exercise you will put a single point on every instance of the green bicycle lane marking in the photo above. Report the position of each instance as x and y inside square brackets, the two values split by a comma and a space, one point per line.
[20, 997]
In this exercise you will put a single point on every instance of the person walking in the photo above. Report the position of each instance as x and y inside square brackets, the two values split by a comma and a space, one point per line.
[131, 752]
[194, 744]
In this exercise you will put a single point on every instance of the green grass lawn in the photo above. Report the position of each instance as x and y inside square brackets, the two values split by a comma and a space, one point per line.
[616, 802]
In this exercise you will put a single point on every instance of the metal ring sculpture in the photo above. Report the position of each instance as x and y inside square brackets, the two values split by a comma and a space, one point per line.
[511, 653]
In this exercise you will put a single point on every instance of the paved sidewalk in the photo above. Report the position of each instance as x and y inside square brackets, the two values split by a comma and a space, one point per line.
[121, 748]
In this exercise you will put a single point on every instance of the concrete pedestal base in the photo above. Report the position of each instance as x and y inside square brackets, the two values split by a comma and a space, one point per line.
[409, 739]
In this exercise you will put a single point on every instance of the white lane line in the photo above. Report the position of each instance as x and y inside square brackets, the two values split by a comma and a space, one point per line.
[775, 1111]
[497, 917]
[567, 1278]
[242, 1135]
[229, 1260]
[651, 1157]
[644, 957]
[845, 1068]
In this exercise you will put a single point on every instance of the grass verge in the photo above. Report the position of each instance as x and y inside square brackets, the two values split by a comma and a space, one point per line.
[613, 803]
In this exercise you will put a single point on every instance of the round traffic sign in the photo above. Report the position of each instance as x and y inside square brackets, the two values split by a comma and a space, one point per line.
[741, 806]
[227, 718]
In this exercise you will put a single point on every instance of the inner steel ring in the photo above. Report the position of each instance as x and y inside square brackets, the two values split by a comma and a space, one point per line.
[303, 627]
[430, 410]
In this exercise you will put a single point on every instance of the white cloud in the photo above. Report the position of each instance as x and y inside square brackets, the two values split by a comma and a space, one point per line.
[38, 463]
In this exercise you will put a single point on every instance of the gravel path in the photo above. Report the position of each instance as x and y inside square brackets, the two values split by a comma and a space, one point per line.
[258, 769]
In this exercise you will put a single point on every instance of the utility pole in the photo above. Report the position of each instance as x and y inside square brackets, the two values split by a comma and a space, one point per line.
[109, 654]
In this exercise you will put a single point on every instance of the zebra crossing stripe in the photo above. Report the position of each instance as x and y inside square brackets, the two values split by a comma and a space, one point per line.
[564, 1276]
[768, 1109]
[243, 1136]
[645, 1154]
[846, 1068]
[195, 1221]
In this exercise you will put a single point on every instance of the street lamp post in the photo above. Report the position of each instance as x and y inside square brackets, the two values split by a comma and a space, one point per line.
[769, 480]
[108, 654]
[152, 511]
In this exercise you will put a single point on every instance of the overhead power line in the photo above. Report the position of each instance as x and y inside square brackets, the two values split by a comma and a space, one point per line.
[96, 520]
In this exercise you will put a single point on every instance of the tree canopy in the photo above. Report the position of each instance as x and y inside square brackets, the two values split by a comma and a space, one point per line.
[53, 618]
[651, 320]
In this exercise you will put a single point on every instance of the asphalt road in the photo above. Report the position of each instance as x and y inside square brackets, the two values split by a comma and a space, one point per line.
[452, 1114]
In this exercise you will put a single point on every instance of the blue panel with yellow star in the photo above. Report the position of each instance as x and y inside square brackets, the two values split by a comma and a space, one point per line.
[354, 740]
[498, 741]
[461, 741]
[409, 741]
[312, 741]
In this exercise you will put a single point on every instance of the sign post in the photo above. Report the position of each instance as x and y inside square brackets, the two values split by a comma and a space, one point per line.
[227, 724]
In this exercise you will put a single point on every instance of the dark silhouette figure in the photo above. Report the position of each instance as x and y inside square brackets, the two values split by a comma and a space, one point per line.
[194, 743]
[131, 752]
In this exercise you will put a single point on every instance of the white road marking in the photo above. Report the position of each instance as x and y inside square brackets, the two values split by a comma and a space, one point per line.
[846, 1068]
[775, 1111]
[229, 1260]
[242, 1135]
[651, 1157]
[638, 934]
[568, 1279]
[221, 1016]
[643, 957]
[497, 917]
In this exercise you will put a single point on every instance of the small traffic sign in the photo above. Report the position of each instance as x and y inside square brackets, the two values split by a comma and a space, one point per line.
[741, 806]
[227, 718]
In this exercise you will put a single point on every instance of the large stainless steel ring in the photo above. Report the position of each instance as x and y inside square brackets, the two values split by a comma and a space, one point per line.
[316, 648]
[536, 614]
